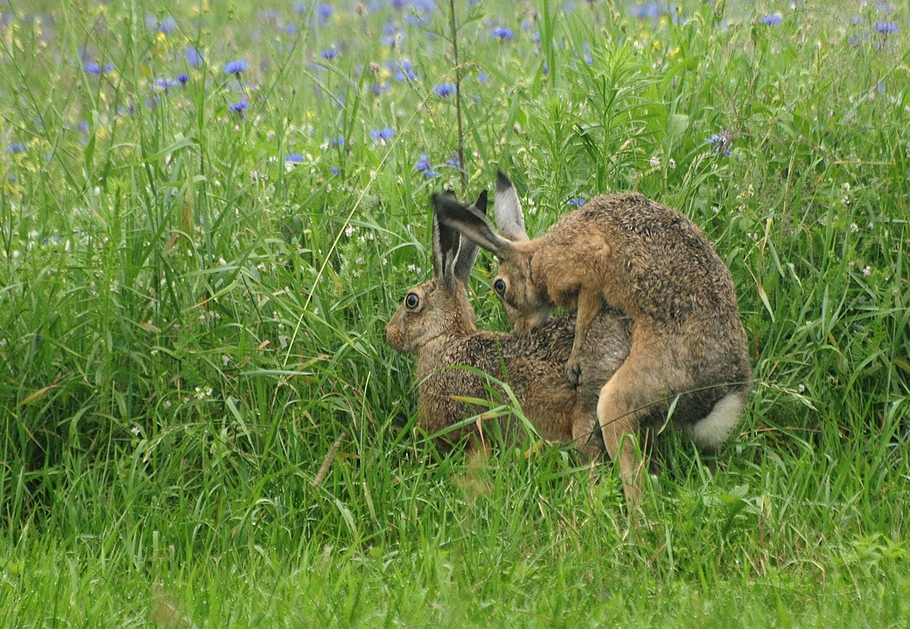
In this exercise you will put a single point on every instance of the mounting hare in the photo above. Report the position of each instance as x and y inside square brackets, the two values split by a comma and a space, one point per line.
[437, 323]
[688, 352]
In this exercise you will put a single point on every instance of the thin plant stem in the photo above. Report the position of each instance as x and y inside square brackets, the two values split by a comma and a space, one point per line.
[461, 156]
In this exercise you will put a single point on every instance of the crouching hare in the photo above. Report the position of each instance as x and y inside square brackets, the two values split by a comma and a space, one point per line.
[437, 323]
[688, 354]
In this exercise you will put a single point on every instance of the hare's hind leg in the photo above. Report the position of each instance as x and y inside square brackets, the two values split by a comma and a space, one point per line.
[622, 405]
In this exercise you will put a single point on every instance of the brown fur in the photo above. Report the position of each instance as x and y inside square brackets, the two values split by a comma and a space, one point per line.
[437, 323]
[654, 264]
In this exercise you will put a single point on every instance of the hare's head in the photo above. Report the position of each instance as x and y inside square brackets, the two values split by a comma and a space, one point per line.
[525, 302]
[439, 307]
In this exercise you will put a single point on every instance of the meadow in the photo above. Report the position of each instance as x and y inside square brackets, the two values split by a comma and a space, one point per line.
[210, 210]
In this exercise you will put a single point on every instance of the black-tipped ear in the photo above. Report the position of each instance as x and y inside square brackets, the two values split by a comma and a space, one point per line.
[502, 182]
[481, 202]
[446, 246]
[470, 222]
[509, 219]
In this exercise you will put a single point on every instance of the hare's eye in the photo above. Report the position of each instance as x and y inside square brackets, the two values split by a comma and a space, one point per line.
[499, 285]
[412, 301]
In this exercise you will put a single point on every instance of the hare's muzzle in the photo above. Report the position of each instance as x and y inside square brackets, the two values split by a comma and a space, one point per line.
[394, 333]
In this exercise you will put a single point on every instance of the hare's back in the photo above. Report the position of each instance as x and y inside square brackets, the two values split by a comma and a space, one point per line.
[658, 262]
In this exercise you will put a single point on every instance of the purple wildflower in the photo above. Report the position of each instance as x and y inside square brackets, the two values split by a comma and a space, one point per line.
[503, 34]
[167, 26]
[329, 54]
[294, 158]
[324, 12]
[193, 57]
[423, 165]
[14, 148]
[651, 10]
[164, 85]
[236, 67]
[772, 20]
[444, 90]
[183, 79]
[239, 106]
[722, 142]
[577, 201]
[885, 28]
[93, 68]
[405, 72]
[382, 135]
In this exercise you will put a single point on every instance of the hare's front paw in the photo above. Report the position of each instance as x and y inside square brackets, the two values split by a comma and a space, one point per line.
[573, 370]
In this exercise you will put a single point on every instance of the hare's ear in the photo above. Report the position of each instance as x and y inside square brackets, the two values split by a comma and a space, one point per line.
[467, 252]
[470, 222]
[509, 219]
[481, 203]
[446, 245]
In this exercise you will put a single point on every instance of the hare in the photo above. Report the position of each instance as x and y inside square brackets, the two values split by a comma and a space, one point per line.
[688, 355]
[437, 323]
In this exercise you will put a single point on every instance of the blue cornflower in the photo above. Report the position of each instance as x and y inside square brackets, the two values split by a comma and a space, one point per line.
[324, 12]
[650, 10]
[586, 54]
[444, 90]
[772, 20]
[405, 72]
[93, 68]
[336, 142]
[336, 170]
[454, 161]
[294, 158]
[382, 135]
[183, 79]
[193, 57]
[423, 165]
[236, 67]
[14, 148]
[503, 34]
[885, 28]
[329, 53]
[722, 142]
[389, 34]
[167, 26]
[482, 77]
[166, 84]
[239, 106]
[577, 201]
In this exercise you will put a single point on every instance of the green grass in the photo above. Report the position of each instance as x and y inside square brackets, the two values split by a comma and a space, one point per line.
[189, 323]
